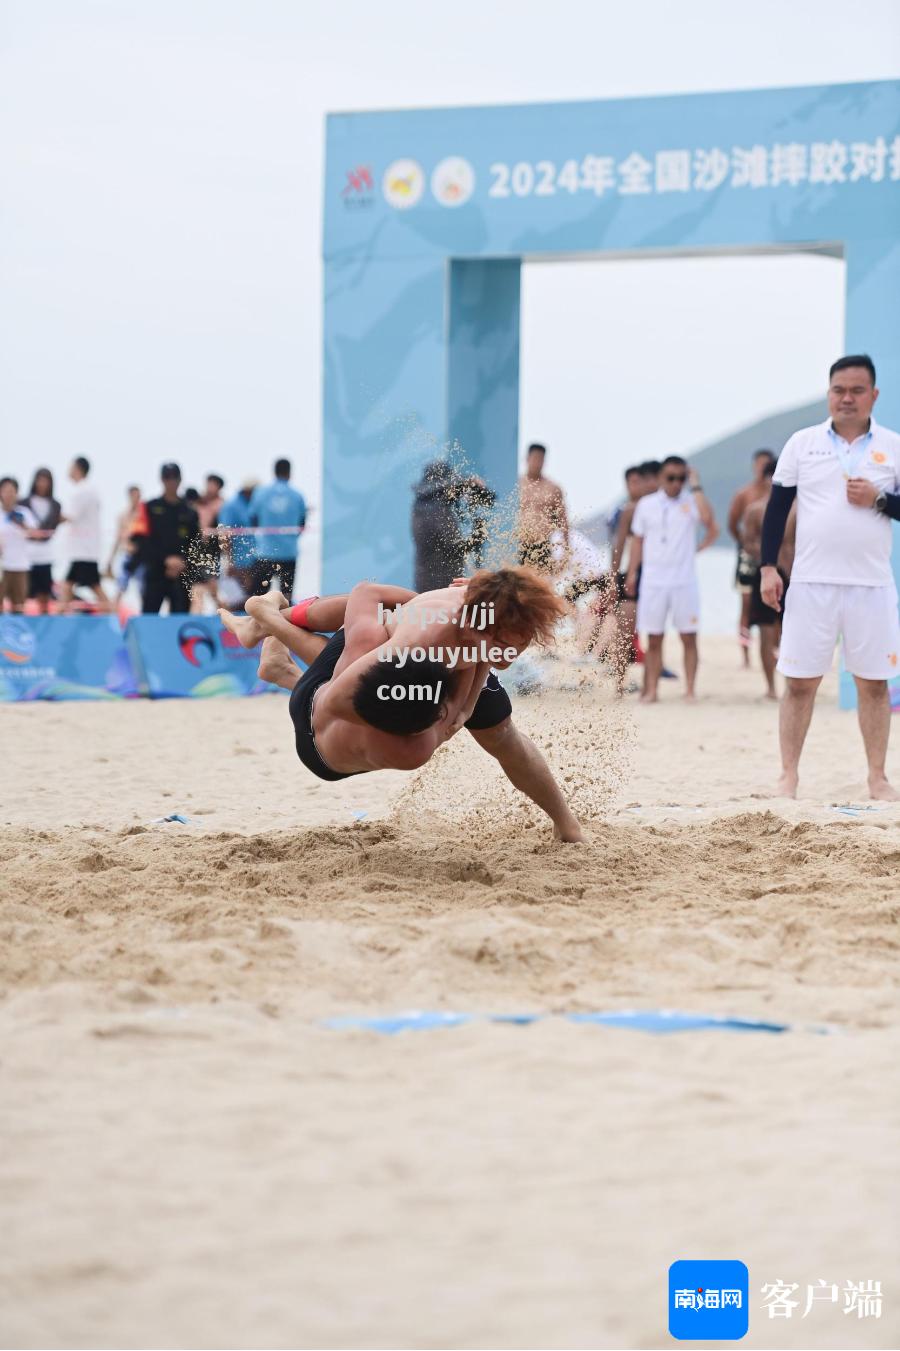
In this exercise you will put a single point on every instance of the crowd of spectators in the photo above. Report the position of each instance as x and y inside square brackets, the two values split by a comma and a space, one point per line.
[187, 551]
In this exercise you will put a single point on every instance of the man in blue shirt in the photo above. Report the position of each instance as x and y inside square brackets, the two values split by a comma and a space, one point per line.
[277, 505]
[242, 548]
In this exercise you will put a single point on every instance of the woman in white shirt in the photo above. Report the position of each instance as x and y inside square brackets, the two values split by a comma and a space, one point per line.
[47, 512]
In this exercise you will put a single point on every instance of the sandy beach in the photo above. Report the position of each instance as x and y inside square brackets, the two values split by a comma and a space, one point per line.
[190, 1158]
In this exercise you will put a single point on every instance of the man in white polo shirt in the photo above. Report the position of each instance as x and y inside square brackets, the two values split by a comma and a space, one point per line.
[663, 547]
[844, 474]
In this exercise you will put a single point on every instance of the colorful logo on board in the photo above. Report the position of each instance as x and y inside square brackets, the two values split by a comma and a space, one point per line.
[16, 641]
[195, 644]
[453, 181]
[403, 183]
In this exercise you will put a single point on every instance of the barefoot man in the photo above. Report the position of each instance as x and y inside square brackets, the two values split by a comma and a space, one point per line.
[844, 474]
[542, 510]
[760, 615]
[387, 689]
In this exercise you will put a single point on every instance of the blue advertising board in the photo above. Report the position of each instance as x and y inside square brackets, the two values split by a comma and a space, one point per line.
[63, 657]
[190, 656]
[429, 214]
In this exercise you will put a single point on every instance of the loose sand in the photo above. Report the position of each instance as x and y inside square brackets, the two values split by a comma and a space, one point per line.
[189, 1159]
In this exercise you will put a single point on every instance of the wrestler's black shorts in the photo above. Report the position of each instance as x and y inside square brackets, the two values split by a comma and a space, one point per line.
[762, 614]
[493, 707]
[583, 586]
[745, 572]
[319, 672]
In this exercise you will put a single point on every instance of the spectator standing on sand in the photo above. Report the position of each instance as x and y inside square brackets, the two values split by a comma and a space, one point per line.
[81, 513]
[754, 491]
[664, 545]
[167, 531]
[241, 548]
[48, 514]
[281, 508]
[542, 510]
[18, 527]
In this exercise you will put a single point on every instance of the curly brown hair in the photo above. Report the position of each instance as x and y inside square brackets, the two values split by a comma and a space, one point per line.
[524, 602]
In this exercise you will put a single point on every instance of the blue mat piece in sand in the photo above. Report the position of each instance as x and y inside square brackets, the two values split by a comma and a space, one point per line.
[640, 1020]
[667, 1020]
[400, 1022]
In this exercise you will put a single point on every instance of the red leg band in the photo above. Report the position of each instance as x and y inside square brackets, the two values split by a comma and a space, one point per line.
[297, 613]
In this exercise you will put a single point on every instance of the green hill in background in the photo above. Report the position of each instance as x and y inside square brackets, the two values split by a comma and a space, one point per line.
[724, 465]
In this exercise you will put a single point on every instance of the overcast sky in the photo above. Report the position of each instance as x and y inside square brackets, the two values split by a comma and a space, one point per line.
[160, 170]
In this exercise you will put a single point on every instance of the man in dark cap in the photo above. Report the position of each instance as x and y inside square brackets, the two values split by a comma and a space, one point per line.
[167, 532]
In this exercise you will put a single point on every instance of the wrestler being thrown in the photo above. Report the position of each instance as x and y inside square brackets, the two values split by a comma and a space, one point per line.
[403, 672]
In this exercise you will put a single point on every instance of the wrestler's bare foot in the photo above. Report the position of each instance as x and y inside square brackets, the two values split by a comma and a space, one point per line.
[881, 790]
[568, 831]
[648, 699]
[786, 785]
[270, 600]
[247, 631]
[275, 664]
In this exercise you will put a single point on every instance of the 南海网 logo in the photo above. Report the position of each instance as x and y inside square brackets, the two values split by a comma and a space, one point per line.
[453, 181]
[16, 641]
[403, 183]
[195, 644]
[708, 1301]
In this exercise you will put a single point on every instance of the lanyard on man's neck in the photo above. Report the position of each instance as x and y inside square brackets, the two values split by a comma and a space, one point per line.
[851, 457]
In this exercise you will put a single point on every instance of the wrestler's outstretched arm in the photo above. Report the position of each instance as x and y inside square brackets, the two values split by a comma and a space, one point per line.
[327, 613]
[527, 770]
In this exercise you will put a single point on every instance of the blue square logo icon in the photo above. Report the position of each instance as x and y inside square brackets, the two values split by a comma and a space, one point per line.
[708, 1300]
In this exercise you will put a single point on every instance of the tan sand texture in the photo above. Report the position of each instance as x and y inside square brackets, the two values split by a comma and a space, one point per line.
[188, 1158]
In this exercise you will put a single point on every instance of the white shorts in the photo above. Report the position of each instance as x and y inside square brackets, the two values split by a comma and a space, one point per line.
[865, 618]
[656, 604]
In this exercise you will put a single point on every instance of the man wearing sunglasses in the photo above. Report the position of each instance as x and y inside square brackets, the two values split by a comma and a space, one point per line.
[845, 476]
[664, 542]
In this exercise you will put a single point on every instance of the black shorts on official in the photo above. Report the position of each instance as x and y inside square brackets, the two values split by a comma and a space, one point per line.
[492, 708]
[83, 574]
[40, 580]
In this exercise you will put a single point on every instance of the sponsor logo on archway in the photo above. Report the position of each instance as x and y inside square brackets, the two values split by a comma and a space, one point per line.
[403, 183]
[453, 181]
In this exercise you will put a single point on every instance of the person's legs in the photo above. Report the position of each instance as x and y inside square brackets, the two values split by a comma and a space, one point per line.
[527, 770]
[652, 667]
[179, 596]
[154, 591]
[691, 662]
[101, 598]
[744, 628]
[275, 664]
[874, 711]
[264, 619]
[871, 645]
[768, 641]
[793, 724]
